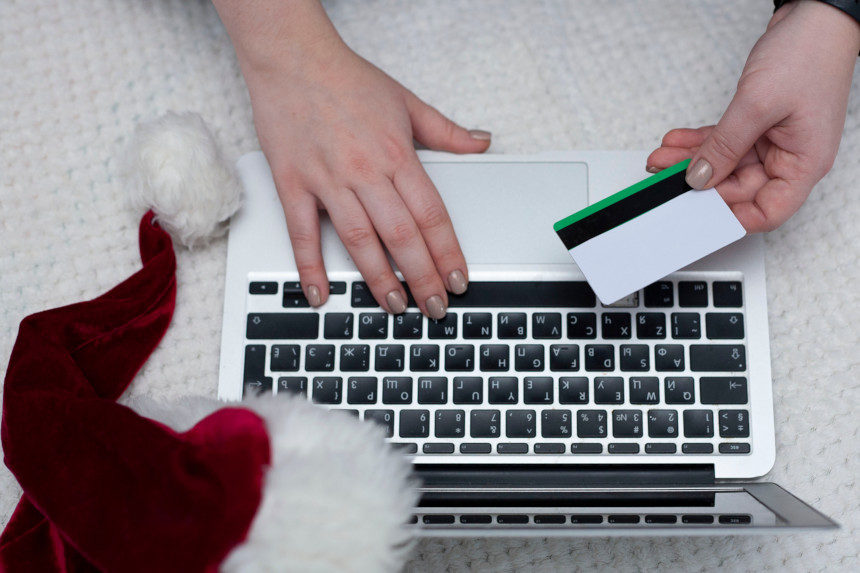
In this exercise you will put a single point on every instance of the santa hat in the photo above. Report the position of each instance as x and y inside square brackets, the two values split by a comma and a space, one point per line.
[271, 484]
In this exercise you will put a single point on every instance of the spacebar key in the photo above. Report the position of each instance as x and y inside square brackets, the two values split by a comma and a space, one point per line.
[282, 325]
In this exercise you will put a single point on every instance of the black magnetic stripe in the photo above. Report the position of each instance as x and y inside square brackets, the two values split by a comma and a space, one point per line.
[624, 210]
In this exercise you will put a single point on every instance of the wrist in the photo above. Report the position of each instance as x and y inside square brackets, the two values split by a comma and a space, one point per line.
[271, 35]
[835, 22]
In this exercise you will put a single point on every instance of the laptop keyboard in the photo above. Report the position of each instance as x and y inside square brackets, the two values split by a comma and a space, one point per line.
[518, 368]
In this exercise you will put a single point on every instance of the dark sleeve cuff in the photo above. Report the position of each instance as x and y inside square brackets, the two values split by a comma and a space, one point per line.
[850, 7]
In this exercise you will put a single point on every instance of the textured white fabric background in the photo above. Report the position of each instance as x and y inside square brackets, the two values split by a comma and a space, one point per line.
[76, 76]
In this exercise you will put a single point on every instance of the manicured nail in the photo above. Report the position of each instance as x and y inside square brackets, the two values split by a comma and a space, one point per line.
[652, 169]
[457, 282]
[700, 174]
[480, 134]
[435, 307]
[314, 296]
[396, 302]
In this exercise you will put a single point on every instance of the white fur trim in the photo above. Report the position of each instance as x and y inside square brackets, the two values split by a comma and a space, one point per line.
[336, 498]
[174, 167]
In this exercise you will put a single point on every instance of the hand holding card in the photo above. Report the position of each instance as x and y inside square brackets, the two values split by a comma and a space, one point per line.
[645, 232]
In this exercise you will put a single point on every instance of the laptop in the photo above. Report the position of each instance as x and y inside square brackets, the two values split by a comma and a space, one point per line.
[532, 408]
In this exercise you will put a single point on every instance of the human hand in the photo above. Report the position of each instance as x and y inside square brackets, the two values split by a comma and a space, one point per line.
[338, 135]
[781, 131]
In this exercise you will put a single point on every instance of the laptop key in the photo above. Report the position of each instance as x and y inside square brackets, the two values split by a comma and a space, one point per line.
[284, 357]
[438, 448]
[443, 328]
[405, 447]
[644, 390]
[282, 325]
[660, 448]
[522, 294]
[459, 357]
[609, 390]
[573, 390]
[432, 390]
[728, 294]
[407, 325]
[669, 357]
[581, 325]
[679, 390]
[722, 390]
[660, 294]
[512, 448]
[424, 358]
[468, 390]
[293, 385]
[361, 296]
[373, 325]
[692, 293]
[700, 448]
[362, 390]
[698, 424]
[477, 325]
[732, 448]
[354, 358]
[290, 300]
[327, 389]
[546, 325]
[555, 424]
[615, 325]
[718, 358]
[623, 448]
[627, 423]
[651, 325]
[255, 362]
[511, 325]
[319, 357]
[389, 357]
[495, 357]
[337, 325]
[257, 387]
[503, 390]
[686, 325]
[475, 448]
[397, 390]
[591, 424]
[549, 448]
[520, 424]
[663, 423]
[537, 390]
[384, 418]
[263, 287]
[564, 357]
[450, 423]
[724, 325]
[734, 424]
[529, 358]
[634, 358]
[599, 357]
[485, 423]
[414, 423]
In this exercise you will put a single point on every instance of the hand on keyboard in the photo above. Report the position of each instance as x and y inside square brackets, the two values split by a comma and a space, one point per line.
[338, 134]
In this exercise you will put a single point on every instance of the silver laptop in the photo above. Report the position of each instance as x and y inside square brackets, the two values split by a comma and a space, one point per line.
[531, 409]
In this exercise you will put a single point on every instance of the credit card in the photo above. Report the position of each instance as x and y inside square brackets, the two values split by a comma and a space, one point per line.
[645, 232]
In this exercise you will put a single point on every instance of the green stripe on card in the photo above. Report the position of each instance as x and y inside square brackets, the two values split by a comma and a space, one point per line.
[624, 193]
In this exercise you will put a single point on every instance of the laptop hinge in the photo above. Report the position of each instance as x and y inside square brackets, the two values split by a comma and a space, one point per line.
[563, 476]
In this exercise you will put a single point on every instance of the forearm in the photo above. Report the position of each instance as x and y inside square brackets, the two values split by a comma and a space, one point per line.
[269, 33]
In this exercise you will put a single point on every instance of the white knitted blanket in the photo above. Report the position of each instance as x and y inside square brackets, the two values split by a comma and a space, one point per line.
[77, 75]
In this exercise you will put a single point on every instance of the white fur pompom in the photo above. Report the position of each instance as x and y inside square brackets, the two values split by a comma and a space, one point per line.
[175, 168]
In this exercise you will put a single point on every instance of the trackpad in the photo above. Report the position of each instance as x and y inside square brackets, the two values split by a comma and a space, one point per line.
[503, 212]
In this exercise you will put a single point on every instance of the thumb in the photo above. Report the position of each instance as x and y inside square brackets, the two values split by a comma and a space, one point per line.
[431, 128]
[743, 123]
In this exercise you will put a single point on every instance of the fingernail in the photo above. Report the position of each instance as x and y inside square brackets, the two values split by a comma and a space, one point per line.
[396, 302]
[435, 307]
[480, 134]
[652, 169]
[700, 174]
[314, 297]
[457, 282]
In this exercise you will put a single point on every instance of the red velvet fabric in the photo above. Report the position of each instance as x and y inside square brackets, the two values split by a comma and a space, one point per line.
[104, 488]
